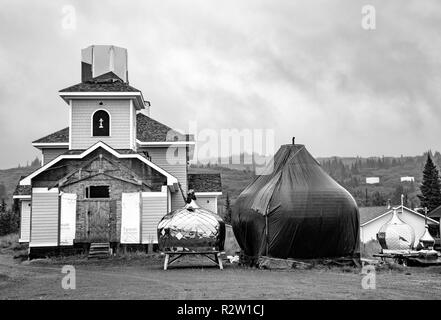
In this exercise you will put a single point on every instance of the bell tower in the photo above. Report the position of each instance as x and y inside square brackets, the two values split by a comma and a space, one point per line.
[103, 106]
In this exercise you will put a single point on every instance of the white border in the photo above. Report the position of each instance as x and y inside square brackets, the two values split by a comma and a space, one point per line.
[171, 180]
[43, 244]
[91, 123]
[23, 196]
[61, 145]
[208, 194]
[70, 124]
[137, 95]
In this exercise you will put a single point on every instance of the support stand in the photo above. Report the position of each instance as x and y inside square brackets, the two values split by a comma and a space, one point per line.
[171, 257]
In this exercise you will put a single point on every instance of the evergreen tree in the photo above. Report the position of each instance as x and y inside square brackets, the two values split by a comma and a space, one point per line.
[430, 188]
[228, 210]
[3, 206]
[378, 199]
[35, 162]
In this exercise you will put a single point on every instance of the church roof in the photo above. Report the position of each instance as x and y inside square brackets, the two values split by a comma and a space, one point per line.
[205, 182]
[148, 130]
[108, 82]
[22, 190]
[435, 213]
[368, 214]
[60, 136]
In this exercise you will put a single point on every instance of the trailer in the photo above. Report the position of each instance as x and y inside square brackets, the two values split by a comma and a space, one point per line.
[411, 257]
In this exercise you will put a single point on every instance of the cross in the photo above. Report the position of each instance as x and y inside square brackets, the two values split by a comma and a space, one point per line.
[101, 123]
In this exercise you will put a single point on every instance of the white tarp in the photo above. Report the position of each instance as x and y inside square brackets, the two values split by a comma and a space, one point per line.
[130, 218]
[68, 218]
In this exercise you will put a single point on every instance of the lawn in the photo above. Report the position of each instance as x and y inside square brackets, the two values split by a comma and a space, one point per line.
[141, 277]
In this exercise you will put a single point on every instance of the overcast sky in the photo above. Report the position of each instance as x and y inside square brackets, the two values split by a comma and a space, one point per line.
[303, 68]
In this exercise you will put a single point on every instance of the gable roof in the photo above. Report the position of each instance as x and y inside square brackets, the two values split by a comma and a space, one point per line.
[108, 82]
[369, 214]
[22, 191]
[78, 154]
[60, 136]
[205, 182]
[435, 213]
[148, 130]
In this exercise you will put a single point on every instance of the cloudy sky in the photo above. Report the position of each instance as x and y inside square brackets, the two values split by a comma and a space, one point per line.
[303, 68]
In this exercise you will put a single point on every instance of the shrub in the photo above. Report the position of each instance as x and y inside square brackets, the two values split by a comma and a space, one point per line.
[9, 222]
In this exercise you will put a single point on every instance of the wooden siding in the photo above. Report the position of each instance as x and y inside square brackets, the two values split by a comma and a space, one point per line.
[154, 207]
[177, 167]
[82, 111]
[50, 154]
[25, 220]
[44, 218]
[207, 202]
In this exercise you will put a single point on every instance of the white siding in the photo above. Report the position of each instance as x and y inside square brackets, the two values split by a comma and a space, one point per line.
[25, 220]
[44, 218]
[50, 154]
[176, 165]
[369, 231]
[154, 207]
[207, 202]
[133, 137]
[120, 125]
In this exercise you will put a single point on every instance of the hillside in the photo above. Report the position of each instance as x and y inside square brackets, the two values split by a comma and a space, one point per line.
[9, 179]
[349, 172]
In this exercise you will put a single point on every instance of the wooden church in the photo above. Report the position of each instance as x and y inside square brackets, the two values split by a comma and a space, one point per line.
[114, 172]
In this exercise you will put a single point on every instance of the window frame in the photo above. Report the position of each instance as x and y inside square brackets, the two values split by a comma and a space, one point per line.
[91, 123]
[87, 192]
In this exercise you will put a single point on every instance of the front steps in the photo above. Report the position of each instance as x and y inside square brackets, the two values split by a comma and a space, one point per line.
[99, 250]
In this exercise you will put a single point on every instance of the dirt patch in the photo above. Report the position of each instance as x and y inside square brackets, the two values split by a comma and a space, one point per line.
[142, 277]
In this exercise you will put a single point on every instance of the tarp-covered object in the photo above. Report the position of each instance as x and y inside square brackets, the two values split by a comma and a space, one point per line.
[296, 211]
[193, 228]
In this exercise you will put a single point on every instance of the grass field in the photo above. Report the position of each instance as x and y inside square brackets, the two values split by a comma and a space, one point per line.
[141, 277]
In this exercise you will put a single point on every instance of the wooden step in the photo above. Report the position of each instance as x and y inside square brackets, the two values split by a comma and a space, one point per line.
[99, 250]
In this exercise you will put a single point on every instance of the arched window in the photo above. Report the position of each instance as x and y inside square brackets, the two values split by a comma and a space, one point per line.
[101, 124]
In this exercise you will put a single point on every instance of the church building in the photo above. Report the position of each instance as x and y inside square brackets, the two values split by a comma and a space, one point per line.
[114, 172]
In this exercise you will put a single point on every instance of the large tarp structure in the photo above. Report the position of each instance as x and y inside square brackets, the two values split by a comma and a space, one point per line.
[296, 211]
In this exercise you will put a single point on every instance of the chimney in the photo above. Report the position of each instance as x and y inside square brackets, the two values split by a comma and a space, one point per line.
[97, 60]
[293, 140]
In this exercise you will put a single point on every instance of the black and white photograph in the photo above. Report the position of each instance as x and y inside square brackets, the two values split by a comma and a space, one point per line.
[220, 154]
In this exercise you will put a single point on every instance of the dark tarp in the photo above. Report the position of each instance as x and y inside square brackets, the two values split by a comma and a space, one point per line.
[296, 211]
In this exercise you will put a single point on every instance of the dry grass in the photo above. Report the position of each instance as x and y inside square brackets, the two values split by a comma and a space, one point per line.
[9, 241]
[370, 248]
